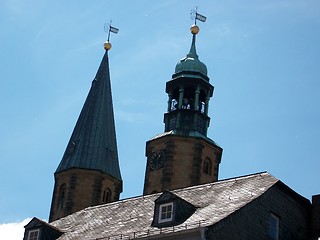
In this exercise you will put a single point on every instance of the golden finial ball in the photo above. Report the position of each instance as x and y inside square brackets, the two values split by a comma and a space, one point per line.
[107, 46]
[194, 29]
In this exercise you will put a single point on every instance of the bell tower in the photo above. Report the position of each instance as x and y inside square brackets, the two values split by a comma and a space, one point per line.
[183, 155]
[89, 172]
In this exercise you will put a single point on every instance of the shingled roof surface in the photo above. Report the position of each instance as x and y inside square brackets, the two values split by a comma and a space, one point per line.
[132, 218]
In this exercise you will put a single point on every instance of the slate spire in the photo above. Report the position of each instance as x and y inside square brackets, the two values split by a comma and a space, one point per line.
[89, 172]
[93, 142]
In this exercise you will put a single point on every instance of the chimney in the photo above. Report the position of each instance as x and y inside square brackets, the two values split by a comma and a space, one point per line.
[315, 216]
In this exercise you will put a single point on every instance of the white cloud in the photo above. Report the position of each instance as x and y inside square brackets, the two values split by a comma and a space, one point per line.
[13, 231]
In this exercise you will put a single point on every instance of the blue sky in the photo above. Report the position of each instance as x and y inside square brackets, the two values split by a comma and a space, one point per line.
[262, 57]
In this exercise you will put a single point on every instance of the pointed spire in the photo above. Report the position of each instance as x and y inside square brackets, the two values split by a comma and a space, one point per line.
[193, 52]
[93, 142]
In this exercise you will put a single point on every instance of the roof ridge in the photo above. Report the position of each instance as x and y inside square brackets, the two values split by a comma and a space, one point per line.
[178, 190]
[246, 176]
[124, 200]
[224, 180]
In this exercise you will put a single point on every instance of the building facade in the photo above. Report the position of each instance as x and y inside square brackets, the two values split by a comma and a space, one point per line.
[256, 206]
[183, 198]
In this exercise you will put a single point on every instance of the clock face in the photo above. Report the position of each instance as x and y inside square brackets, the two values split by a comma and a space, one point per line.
[156, 159]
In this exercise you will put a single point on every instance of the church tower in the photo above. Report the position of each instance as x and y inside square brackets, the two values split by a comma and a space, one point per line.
[183, 155]
[89, 172]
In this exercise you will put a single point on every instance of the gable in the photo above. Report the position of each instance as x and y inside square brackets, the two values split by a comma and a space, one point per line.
[276, 214]
[171, 210]
[41, 230]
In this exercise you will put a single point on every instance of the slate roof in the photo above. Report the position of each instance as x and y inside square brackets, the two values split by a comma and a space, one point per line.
[132, 218]
[93, 142]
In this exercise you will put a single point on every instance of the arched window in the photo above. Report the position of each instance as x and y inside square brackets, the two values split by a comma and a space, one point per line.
[188, 97]
[62, 196]
[202, 99]
[207, 166]
[106, 196]
[174, 104]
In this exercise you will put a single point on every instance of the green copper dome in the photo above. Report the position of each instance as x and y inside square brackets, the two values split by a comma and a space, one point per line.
[191, 62]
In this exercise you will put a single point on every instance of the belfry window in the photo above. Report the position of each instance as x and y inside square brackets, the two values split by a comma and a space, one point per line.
[106, 196]
[165, 212]
[174, 104]
[62, 196]
[33, 234]
[207, 166]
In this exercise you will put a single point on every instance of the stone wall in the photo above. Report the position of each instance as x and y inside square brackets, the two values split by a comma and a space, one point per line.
[83, 188]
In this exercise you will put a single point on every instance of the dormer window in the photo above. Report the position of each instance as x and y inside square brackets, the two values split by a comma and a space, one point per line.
[165, 212]
[171, 210]
[33, 234]
[37, 229]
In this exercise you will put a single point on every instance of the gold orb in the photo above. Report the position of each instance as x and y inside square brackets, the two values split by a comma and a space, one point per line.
[194, 29]
[107, 46]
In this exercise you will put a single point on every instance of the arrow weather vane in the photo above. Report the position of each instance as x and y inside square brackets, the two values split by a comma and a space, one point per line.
[197, 16]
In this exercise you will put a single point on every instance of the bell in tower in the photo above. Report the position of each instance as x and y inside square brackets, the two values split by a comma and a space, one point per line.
[183, 155]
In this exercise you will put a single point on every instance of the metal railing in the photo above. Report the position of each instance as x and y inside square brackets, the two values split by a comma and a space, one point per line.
[155, 231]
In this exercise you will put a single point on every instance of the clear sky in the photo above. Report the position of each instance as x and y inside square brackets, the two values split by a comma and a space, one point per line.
[263, 58]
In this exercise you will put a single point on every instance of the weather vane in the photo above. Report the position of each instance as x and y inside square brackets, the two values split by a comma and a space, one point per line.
[197, 16]
[108, 28]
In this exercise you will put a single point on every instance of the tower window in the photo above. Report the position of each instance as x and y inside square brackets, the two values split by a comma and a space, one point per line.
[207, 166]
[202, 106]
[174, 104]
[202, 101]
[165, 212]
[274, 227]
[106, 196]
[33, 234]
[62, 196]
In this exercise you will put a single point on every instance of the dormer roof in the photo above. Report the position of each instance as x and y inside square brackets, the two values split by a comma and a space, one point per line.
[45, 231]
